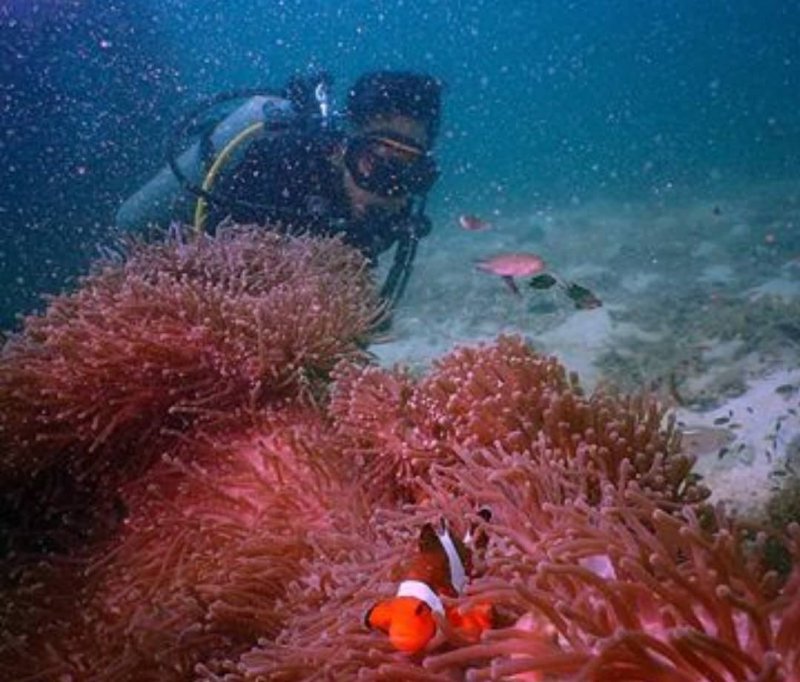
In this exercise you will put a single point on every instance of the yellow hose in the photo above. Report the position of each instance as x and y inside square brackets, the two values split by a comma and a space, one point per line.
[201, 208]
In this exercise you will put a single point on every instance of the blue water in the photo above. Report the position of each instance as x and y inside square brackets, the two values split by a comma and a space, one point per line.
[547, 102]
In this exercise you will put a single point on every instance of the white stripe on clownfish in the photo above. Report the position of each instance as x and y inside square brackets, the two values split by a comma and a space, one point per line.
[423, 592]
[458, 574]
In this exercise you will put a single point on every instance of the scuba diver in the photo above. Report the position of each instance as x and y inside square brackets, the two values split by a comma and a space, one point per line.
[287, 159]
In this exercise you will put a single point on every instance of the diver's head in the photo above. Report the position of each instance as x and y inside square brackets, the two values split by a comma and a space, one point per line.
[388, 94]
[395, 118]
[388, 164]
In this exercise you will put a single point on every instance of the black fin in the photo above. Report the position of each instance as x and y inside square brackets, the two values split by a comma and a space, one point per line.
[582, 297]
[543, 281]
[428, 539]
[366, 618]
[511, 284]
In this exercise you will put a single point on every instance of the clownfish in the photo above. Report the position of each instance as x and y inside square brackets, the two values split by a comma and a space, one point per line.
[440, 567]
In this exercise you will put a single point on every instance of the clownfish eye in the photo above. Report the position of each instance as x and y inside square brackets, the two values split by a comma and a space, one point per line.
[476, 535]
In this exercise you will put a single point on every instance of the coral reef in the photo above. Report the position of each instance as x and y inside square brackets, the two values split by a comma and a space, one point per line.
[284, 479]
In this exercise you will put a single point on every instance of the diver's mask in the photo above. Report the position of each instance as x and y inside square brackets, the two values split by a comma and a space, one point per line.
[390, 165]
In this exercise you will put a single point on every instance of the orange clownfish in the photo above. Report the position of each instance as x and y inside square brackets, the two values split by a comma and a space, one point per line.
[439, 568]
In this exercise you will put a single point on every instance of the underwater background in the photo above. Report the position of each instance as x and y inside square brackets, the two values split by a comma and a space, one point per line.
[192, 481]
[548, 104]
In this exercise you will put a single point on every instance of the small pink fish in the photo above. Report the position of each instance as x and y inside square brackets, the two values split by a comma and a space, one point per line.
[512, 264]
[472, 223]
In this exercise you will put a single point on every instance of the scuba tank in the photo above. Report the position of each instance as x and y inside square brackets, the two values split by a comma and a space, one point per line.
[181, 190]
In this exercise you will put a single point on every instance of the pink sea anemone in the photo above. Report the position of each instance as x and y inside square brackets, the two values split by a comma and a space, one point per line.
[178, 334]
[505, 395]
[257, 510]
[163, 451]
[604, 561]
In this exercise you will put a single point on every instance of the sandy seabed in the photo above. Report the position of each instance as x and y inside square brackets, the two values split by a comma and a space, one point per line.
[701, 304]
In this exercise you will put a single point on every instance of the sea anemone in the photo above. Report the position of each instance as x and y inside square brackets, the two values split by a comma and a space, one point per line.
[264, 511]
[615, 589]
[621, 588]
[145, 445]
[505, 395]
[215, 533]
[177, 334]
[604, 561]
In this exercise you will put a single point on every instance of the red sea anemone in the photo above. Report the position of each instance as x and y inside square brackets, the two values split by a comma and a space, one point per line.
[258, 510]
[604, 562]
[118, 399]
[505, 396]
[179, 333]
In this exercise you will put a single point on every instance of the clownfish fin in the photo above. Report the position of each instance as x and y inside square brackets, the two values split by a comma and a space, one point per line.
[454, 553]
[408, 621]
[429, 539]
[379, 616]
[473, 622]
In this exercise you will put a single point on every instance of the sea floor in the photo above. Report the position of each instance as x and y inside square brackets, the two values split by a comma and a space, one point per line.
[701, 305]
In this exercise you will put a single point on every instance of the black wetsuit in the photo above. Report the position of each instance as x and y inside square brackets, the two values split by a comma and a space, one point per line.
[291, 180]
